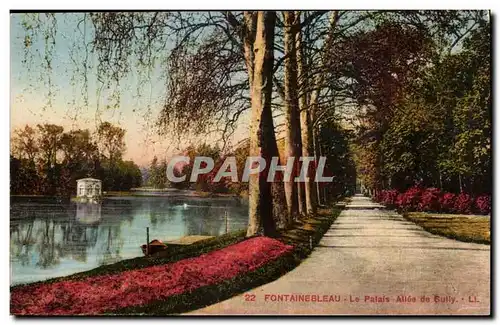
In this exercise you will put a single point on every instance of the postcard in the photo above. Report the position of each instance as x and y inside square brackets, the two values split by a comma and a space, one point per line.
[307, 162]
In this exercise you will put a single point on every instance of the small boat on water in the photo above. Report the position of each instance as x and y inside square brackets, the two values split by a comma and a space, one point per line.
[155, 246]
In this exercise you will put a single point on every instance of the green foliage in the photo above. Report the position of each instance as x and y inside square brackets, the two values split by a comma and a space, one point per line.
[334, 142]
[119, 175]
[439, 132]
[46, 160]
[111, 142]
[158, 174]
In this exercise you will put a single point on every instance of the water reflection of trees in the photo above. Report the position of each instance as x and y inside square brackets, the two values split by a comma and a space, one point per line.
[77, 239]
[49, 251]
[44, 234]
[110, 247]
[22, 241]
[204, 220]
[50, 237]
[159, 211]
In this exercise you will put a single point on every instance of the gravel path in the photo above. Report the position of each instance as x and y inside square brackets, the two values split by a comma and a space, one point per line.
[374, 261]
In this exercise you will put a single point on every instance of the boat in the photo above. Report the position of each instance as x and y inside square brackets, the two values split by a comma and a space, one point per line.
[155, 246]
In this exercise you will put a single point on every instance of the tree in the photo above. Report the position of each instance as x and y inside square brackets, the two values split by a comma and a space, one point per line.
[46, 160]
[154, 173]
[24, 144]
[437, 131]
[305, 118]
[80, 158]
[50, 144]
[378, 81]
[335, 146]
[293, 150]
[222, 64]
[24, 178]
[111, 141]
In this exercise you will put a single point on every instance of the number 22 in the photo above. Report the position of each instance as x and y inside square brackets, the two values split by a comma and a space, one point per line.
[249, 297]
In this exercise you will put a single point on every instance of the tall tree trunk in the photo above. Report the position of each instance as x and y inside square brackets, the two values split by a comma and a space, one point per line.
[305, 123]
[248, 38]
[293, 148]
[260, 216]
[316, 156]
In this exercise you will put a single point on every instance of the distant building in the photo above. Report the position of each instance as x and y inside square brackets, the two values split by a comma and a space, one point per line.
[88, 189]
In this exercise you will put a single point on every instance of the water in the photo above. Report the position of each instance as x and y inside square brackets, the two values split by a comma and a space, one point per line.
[50, 239]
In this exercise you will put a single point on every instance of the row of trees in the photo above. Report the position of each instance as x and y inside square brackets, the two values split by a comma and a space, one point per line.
[47, 160]
[333, 143]
[293, 73]
[435, 131]
[157, 171]
[280, 71]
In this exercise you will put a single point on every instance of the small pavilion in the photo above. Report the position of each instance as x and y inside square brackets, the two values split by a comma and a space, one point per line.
[88, 188]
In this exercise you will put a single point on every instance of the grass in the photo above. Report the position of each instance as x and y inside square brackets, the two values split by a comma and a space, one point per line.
[466, 228]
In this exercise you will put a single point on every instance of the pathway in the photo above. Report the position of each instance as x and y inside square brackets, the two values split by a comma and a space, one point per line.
[366, 260]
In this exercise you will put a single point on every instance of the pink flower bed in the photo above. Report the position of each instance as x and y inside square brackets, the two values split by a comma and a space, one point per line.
[434, 200]
[483, 204]
[98, 294]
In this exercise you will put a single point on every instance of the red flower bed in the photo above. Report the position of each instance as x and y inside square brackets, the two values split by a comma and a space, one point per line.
[410, 199]
[389, 198]
[483, 204]
[464, 204]
[447, 202]
[429, 201]
[433, 200]
[98, 294]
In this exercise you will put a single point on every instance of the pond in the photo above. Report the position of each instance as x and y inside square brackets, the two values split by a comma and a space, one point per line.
[50, 239]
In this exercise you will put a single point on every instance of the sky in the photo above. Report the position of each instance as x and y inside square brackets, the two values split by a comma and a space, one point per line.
[32, 85]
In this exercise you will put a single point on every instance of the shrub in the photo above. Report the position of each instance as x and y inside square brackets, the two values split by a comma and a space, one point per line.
[463, 204]
[447, 202]
[433, 200]
[410, 199]
[399, 200]
[389, 198]
[483, 204]
[429, 200]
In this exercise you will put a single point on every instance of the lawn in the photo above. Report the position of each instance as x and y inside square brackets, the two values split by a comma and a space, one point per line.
[467, 228]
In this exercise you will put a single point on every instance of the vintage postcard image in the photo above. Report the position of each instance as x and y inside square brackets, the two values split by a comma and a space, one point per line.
[333, 162]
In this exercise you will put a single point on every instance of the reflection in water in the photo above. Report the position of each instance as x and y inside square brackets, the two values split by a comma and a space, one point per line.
[52, 239]
[88, 213]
